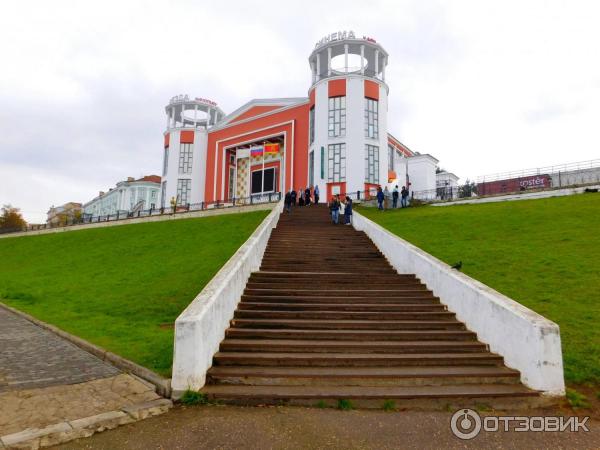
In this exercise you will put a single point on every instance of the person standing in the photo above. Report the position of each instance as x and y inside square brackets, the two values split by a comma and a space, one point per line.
[316, 194]
[386, 198]
[307, 196]
[395, 195]
[348, 211]
[379, 198]
[334, 207]
[300, 198]
[288, 201]
[404, 194]
[293, 195]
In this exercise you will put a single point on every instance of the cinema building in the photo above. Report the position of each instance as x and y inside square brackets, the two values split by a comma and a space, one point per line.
[336, 137]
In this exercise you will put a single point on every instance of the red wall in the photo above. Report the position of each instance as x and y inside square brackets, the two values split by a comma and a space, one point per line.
[255, 111]
[278, 122]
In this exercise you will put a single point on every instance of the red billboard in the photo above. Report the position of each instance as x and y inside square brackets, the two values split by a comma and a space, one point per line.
[512, 185]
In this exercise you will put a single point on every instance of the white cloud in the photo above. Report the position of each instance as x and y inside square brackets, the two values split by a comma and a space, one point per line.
[484, 86]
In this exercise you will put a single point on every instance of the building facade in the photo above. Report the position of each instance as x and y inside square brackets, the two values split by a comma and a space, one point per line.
[126, 197]
[65, 214]
[336, 137]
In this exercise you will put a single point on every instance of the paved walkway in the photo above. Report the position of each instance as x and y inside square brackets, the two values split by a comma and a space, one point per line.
[45, 380]
[31, 357]
[226, 427]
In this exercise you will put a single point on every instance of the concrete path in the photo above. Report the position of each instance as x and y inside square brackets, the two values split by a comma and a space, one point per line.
[31, 357]
[227, 427]
[45, 380]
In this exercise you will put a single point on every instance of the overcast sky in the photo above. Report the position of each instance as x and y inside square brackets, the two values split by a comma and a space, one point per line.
[483, 86]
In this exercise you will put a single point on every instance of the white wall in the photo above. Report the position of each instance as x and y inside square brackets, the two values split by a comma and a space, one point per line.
[200, 328]
[421, 171]
[528, 342]
[198, 174]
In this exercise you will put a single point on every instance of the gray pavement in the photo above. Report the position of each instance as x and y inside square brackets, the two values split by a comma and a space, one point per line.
[32, 357]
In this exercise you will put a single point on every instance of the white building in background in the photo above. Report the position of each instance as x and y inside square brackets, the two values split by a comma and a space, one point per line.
[336, 137]
[446, 185]
[127, 196]
[184, 158]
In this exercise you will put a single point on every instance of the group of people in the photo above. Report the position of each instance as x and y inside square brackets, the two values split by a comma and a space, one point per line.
[335, 205]
[301, 198]
[383, 195]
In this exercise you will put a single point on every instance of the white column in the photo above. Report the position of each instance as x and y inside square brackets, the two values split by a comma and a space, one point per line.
[313, 72]
[383, 69]
[329, 62]
[362, 59]
[318, 66]
[196, 116]
[346, 57]
[376, 63]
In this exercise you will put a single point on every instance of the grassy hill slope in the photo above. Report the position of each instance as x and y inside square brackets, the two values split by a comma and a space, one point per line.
[121, 287]
[543, 253]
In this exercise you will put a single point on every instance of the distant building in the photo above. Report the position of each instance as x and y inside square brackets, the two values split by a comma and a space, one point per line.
[126, 197]
[336, 137]
[63, 215]
[446, 184]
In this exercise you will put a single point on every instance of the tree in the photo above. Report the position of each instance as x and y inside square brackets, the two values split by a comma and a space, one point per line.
[11, 219]
[468, 189]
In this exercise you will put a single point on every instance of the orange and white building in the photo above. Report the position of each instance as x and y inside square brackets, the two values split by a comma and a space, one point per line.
[336, 137]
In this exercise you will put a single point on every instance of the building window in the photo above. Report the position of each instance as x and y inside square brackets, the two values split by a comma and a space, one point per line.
[371, 118]
[311, 168]
[371, 164]
[263, 181]
[163, 194]
[311, 125]
[141, 197]
[337, 116]
[166, 161]
[185, 158]
[336, 166]
[183, 191]
[391, 152]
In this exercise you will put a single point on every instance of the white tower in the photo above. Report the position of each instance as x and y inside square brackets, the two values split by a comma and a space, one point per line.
[348, 141]
[185, 140]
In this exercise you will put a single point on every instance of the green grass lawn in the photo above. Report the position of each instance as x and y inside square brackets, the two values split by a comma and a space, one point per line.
[544, 254]
[121, 287]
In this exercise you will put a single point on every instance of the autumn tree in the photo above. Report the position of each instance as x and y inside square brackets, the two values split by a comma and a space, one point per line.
[11, 219]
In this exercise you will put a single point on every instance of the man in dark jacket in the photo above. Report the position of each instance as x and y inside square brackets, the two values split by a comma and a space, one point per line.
[287, 201]
[380, 198]
[307, 196]
[334, 207]
[395, 195]
[404, 194]
[293, 195]
[348, 211]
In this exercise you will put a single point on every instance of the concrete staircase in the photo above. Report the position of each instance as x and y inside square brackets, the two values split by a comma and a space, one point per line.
[327, 318]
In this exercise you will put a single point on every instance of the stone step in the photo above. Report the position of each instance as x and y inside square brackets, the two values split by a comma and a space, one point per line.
[367, 307]
[339, 346]
[324, 293]
[387, 300]
[349, 324]
[344, 315]
[442, 397]
[354, 359]
[361, 376]
[353, 334]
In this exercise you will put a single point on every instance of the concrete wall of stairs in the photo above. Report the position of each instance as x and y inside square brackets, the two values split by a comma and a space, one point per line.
[528, 341]
[200, 328]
